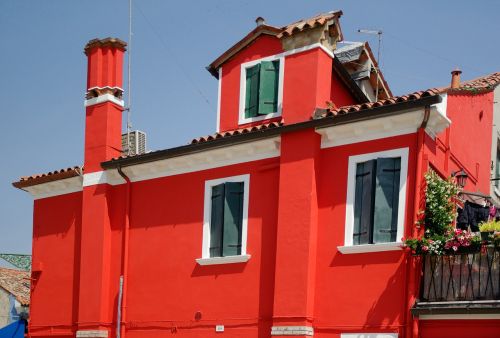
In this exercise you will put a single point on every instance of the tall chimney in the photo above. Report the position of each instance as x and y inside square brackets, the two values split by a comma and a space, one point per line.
[103, 123]
[455, 78]
[104, 104]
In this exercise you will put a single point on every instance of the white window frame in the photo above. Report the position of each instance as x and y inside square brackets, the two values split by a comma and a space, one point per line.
[243, 85]
[349, 247]
[207, 215]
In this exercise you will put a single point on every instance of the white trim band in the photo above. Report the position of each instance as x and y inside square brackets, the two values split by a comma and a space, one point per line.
[104, 98]
[292, 331]
[102, 177]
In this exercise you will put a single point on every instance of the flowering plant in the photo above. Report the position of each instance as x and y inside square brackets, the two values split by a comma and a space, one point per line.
[423, 245]
[462, 241]
[440, 199]
[453, 241]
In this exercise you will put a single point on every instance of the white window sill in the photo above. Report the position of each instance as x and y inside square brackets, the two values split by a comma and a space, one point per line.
[258, 118]
[223, 260]
[354, 249]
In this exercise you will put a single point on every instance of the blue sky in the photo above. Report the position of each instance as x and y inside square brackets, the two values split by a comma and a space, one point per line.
[43, 69]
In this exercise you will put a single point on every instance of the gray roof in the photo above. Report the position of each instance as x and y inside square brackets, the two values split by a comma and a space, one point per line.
[349, 52]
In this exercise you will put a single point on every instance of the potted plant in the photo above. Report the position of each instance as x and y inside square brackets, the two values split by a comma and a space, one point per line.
[462, 241]
[488, 228]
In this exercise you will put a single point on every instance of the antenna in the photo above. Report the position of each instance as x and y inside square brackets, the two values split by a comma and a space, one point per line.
[379, 34]
[129, 88]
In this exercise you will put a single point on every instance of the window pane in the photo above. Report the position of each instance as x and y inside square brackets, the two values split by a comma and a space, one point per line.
[252, 91]
[268, 87]
[385, 219]
[363, 203]
[216, 220]
[233, 217]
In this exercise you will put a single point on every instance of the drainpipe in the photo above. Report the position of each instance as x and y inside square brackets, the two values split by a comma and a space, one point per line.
[122, 299]
[411, 279]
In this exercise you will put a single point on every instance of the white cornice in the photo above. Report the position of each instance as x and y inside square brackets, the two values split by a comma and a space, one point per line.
[241, 153]
[55, 188]
[251, 151]
[405, 123]
[104, 98]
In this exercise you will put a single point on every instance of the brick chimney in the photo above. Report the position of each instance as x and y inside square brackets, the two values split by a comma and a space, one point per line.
[104, 104]
[455, 78]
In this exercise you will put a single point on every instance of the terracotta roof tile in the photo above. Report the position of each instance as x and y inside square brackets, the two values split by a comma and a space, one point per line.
[304, 24]
[478, 85]
[27, 181]
[245, 130]
[17, 283]
[322, 113]
[485, 83]
[285, 31]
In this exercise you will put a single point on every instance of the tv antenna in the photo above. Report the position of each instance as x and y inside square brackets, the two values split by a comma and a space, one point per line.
[129, 88]
[377, 70]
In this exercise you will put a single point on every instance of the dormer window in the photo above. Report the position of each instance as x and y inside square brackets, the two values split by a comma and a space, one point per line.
[261, 89]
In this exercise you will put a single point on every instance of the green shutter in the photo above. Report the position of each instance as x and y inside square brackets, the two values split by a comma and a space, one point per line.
[252, 91]
[385, 220]
[363, 204]
[216, 220]
[233, 217]
[268, 88]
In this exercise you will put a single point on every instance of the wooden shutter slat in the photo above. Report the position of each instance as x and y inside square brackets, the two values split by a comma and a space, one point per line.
[217, 220]
[252, 91]
[363, 204]
[386, 200]
[233, 217]
[268, 87]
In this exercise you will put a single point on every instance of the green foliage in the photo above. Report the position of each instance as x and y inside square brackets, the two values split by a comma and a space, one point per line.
[440, 209]
[489, 226]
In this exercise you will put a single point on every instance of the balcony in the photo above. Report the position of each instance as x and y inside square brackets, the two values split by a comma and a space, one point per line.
[458, 284]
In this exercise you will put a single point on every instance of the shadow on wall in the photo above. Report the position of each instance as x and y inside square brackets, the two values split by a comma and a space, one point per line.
[378, 312]
[383, 305]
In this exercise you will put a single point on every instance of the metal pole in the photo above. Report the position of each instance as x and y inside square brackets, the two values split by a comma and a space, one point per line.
[378, 64]
[129, 126]
[119, 311]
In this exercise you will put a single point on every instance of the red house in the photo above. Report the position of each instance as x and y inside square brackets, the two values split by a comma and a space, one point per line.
[286, 222]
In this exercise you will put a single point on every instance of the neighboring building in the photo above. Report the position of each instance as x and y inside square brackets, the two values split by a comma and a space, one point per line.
[286, 222]
[14, 295]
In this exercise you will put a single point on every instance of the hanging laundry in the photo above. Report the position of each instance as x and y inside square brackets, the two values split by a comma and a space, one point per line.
[472, 215]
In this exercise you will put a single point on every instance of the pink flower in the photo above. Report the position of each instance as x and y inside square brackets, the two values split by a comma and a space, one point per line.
[425, 248]
[455, 248]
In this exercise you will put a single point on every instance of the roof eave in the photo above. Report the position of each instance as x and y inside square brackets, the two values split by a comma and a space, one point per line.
[366, 114]
[349, 82]
[249, 38]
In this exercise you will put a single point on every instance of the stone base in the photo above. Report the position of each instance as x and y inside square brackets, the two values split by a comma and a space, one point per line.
[292, 331]
[91, 334]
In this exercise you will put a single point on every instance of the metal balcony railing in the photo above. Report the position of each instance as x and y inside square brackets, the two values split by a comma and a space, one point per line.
[461, 277]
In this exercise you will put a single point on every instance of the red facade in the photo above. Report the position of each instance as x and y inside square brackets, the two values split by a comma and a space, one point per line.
[143, 217]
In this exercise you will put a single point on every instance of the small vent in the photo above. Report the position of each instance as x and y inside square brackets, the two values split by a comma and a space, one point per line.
[137, 143]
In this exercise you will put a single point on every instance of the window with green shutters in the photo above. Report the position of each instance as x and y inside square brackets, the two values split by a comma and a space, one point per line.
[226, 219]
[261, 89]
[376, 201]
